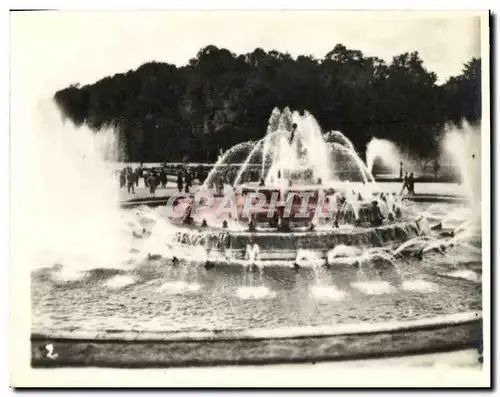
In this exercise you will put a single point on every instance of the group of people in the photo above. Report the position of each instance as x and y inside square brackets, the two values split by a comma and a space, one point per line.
[408, 184]
[409, 179]
[129, 178]
[184, 180]
[154, 179]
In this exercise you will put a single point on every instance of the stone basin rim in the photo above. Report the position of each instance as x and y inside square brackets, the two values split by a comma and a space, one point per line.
[263, 333]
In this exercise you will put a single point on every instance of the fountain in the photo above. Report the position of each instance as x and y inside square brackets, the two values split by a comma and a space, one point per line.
[71, 213]
[233, 282]
[297, 189]
[463, 147]
[387, 153]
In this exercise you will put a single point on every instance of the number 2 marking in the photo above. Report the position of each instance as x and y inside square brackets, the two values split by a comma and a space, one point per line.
[50, 351]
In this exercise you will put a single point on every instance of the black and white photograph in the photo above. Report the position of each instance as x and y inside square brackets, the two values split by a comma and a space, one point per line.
[232, 193]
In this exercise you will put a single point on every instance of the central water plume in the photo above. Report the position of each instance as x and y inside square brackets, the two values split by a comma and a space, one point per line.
[312, 145]
[294, 150]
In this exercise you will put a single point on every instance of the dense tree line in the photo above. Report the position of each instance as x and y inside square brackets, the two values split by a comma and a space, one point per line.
[169, 113]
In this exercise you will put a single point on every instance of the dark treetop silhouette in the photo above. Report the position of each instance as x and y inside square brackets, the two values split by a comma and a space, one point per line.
[220, 98]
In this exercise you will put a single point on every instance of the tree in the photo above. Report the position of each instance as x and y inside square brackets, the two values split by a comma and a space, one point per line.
[219, 99]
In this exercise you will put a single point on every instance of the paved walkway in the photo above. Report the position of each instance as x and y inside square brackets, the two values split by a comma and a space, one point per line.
[424, 188]
[142, 192]
[438, 189]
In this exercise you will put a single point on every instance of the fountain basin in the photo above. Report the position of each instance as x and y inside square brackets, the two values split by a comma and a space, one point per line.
[276, 245]
[258, 346]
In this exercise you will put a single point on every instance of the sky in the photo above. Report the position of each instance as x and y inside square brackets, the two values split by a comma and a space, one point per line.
[50, 50]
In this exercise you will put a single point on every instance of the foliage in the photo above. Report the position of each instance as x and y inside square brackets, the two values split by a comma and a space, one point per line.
[220, 98]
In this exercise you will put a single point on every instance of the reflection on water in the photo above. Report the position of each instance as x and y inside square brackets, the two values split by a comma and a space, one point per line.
[419, 286]
[375, 287]
[118, 282]
[178, 287]
[328, 292]
[259, 292]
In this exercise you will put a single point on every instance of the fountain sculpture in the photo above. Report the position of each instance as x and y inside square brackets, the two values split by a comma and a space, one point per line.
[297, 189]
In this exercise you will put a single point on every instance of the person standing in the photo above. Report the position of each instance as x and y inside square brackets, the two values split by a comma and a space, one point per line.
[163, 178]
[400, 170]
[411, 184]
[130, 181]
[138, 173]
[405, 184]
[136, 178]
[187, 181]
[152, 183]
[179, 181]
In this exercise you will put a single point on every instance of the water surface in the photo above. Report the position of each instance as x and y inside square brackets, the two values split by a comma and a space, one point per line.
[151, 293]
